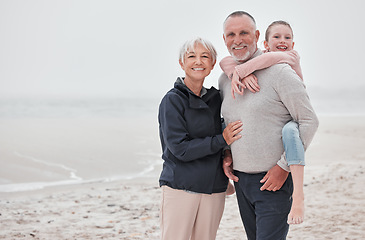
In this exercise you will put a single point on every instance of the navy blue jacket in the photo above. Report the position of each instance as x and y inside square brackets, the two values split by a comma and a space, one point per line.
[192, 141]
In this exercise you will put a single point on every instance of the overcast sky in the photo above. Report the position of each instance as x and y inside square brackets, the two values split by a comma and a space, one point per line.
[130, 48]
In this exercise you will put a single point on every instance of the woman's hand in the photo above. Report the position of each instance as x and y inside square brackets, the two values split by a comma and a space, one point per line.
[228, 166]
[231, 132]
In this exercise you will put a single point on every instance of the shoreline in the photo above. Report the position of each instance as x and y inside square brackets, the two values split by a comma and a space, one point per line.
[25, 187]
[129, 209]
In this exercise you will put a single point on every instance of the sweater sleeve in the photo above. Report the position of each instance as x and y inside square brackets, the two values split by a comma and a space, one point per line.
[283, 163]
[293, 59]
[176, 136]
[268, 59]
[260, 62]
[293, 95]
[228, 65]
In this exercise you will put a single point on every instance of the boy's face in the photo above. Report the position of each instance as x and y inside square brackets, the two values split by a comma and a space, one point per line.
[280, 39]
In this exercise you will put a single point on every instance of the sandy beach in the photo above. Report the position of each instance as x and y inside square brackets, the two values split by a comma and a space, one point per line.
[129, 209]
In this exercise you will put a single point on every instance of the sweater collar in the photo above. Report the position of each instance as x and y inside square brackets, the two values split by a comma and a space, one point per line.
[257, 53]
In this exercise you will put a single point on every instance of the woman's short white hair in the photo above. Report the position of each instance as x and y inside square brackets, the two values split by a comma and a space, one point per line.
[189, 46]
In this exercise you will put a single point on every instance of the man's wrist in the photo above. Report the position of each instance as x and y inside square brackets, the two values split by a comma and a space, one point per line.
[283, 166]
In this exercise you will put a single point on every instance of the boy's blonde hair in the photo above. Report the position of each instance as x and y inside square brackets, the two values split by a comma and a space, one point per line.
[279, 22]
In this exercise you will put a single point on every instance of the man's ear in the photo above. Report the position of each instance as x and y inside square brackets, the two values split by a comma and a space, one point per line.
[257, 35]
[292, 45]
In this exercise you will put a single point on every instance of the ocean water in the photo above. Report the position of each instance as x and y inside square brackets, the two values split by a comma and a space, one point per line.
[338, 101]
[60, 141]
[130, 148]
[77, 107]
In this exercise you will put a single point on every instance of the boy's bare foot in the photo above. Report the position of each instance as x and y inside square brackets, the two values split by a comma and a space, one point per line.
[230, 189]
[296, 215]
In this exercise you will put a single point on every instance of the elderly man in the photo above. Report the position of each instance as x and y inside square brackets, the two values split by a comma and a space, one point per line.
[260, 173]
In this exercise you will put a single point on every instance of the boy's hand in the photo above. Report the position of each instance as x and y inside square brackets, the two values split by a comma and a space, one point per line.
[294, 58]
[251, 83]
[236, 85]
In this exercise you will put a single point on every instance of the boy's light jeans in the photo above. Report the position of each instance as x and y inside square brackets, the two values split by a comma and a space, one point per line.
[294, 150]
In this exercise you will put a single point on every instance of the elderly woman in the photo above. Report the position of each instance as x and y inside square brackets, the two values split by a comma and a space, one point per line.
[193, 182]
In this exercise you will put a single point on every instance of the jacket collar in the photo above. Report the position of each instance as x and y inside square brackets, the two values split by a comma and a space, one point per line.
[180, 81]
[194, 100]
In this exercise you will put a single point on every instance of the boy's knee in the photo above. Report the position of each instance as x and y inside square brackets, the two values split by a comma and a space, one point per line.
[290, 129]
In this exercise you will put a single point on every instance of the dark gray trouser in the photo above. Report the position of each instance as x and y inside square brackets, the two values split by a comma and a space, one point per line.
[264, 213]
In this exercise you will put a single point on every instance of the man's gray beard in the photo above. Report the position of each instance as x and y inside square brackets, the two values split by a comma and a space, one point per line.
[243, 58]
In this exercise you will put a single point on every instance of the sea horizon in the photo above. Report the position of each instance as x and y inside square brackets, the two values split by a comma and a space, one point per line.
[107, 115]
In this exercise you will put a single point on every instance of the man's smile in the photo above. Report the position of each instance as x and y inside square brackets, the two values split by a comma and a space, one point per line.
[238, 47]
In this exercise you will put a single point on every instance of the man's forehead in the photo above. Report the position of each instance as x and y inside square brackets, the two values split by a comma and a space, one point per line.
[235, 23]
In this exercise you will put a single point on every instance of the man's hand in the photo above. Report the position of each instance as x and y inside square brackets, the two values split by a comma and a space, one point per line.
[274, 179]
[228, 166]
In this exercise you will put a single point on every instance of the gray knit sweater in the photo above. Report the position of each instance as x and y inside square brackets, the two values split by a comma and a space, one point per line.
[282, 98]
